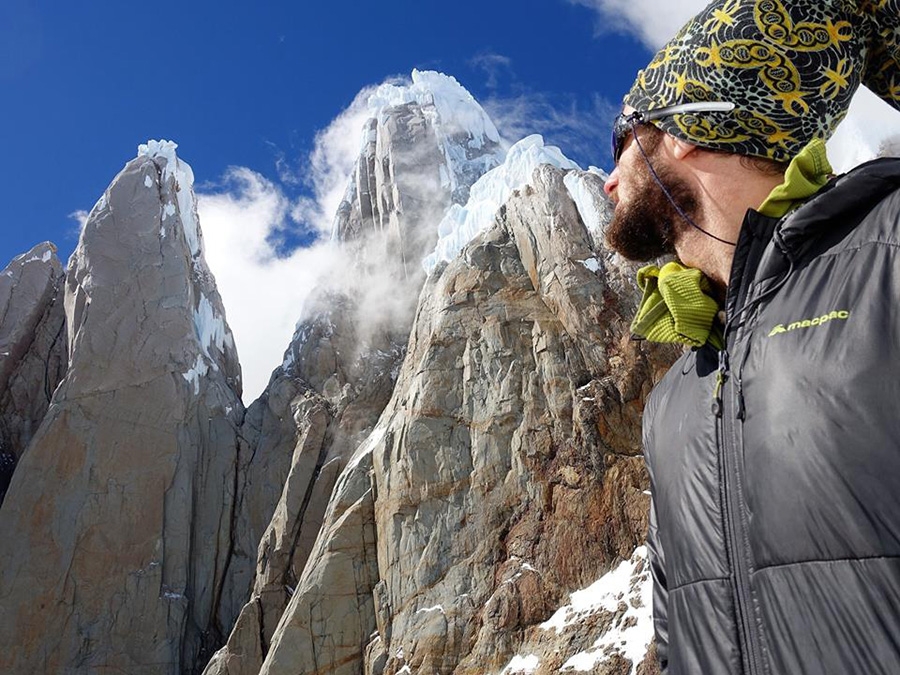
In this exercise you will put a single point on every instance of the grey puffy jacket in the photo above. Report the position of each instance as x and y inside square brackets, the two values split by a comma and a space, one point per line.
[775, 465]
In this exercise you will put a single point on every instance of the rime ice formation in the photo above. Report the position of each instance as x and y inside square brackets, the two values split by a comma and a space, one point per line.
[461, 223]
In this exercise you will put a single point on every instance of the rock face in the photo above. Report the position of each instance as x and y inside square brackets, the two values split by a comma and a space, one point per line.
[115, 537]
[341, 366]
[33, 354]
[505, 471]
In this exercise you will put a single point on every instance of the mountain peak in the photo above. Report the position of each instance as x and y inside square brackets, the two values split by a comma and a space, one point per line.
[468, 138]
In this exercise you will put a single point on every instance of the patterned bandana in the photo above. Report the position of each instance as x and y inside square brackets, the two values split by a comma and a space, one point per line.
[790, 66]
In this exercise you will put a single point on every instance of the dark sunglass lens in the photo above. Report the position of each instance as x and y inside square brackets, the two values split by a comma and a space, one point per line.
[619, 134]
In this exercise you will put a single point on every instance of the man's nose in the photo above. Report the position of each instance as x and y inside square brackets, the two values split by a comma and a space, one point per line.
[611, 182]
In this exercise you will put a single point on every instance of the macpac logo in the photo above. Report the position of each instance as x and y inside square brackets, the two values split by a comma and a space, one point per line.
[810, 323]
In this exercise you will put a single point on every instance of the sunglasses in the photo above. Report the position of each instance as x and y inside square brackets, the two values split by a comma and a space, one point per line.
[626, 124]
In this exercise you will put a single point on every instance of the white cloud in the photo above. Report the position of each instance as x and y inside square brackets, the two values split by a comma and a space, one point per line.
[493, 65]
[872, 128]
[81, 217]
[245, 223]
[653, 22]
[262, 292]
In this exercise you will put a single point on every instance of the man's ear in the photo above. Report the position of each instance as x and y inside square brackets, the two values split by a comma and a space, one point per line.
[681, 149]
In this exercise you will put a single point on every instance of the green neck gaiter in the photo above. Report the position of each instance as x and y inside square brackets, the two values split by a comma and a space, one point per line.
[677, 307]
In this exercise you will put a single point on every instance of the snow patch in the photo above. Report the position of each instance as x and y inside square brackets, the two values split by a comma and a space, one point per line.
[629, 584]
[461, 224]
[521, 665]
[368, 445]
[22, 260]
[99, 205]
[148, 182]
[871, 129]
[592, 264]
[436, 608]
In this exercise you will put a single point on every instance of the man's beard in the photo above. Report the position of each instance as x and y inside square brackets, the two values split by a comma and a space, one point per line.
[646, 227]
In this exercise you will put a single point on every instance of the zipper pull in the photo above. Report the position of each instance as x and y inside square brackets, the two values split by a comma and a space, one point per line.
[741, 411]
[721, 378]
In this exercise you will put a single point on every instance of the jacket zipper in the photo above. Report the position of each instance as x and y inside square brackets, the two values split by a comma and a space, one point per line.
[734, 525]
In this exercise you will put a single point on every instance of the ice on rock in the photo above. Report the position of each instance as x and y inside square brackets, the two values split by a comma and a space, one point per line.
[592, 264]
[456, 108]
[184, 182]
[199, 370]
[461, 224]
[209, 327]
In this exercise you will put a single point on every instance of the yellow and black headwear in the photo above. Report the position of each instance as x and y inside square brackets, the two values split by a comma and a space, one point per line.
[790, 66]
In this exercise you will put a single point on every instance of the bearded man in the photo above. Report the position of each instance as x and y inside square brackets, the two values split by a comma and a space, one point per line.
[773, 444]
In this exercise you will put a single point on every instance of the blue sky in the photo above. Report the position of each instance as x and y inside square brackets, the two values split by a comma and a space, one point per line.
[241, 84]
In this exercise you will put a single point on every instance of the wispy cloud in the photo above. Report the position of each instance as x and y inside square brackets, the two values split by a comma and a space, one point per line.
[580, 129]
[493, 65]
[81, 217]
[247, 217]
[653, 22]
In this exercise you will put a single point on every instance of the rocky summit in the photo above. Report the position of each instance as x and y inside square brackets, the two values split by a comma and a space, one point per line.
[450, 481]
